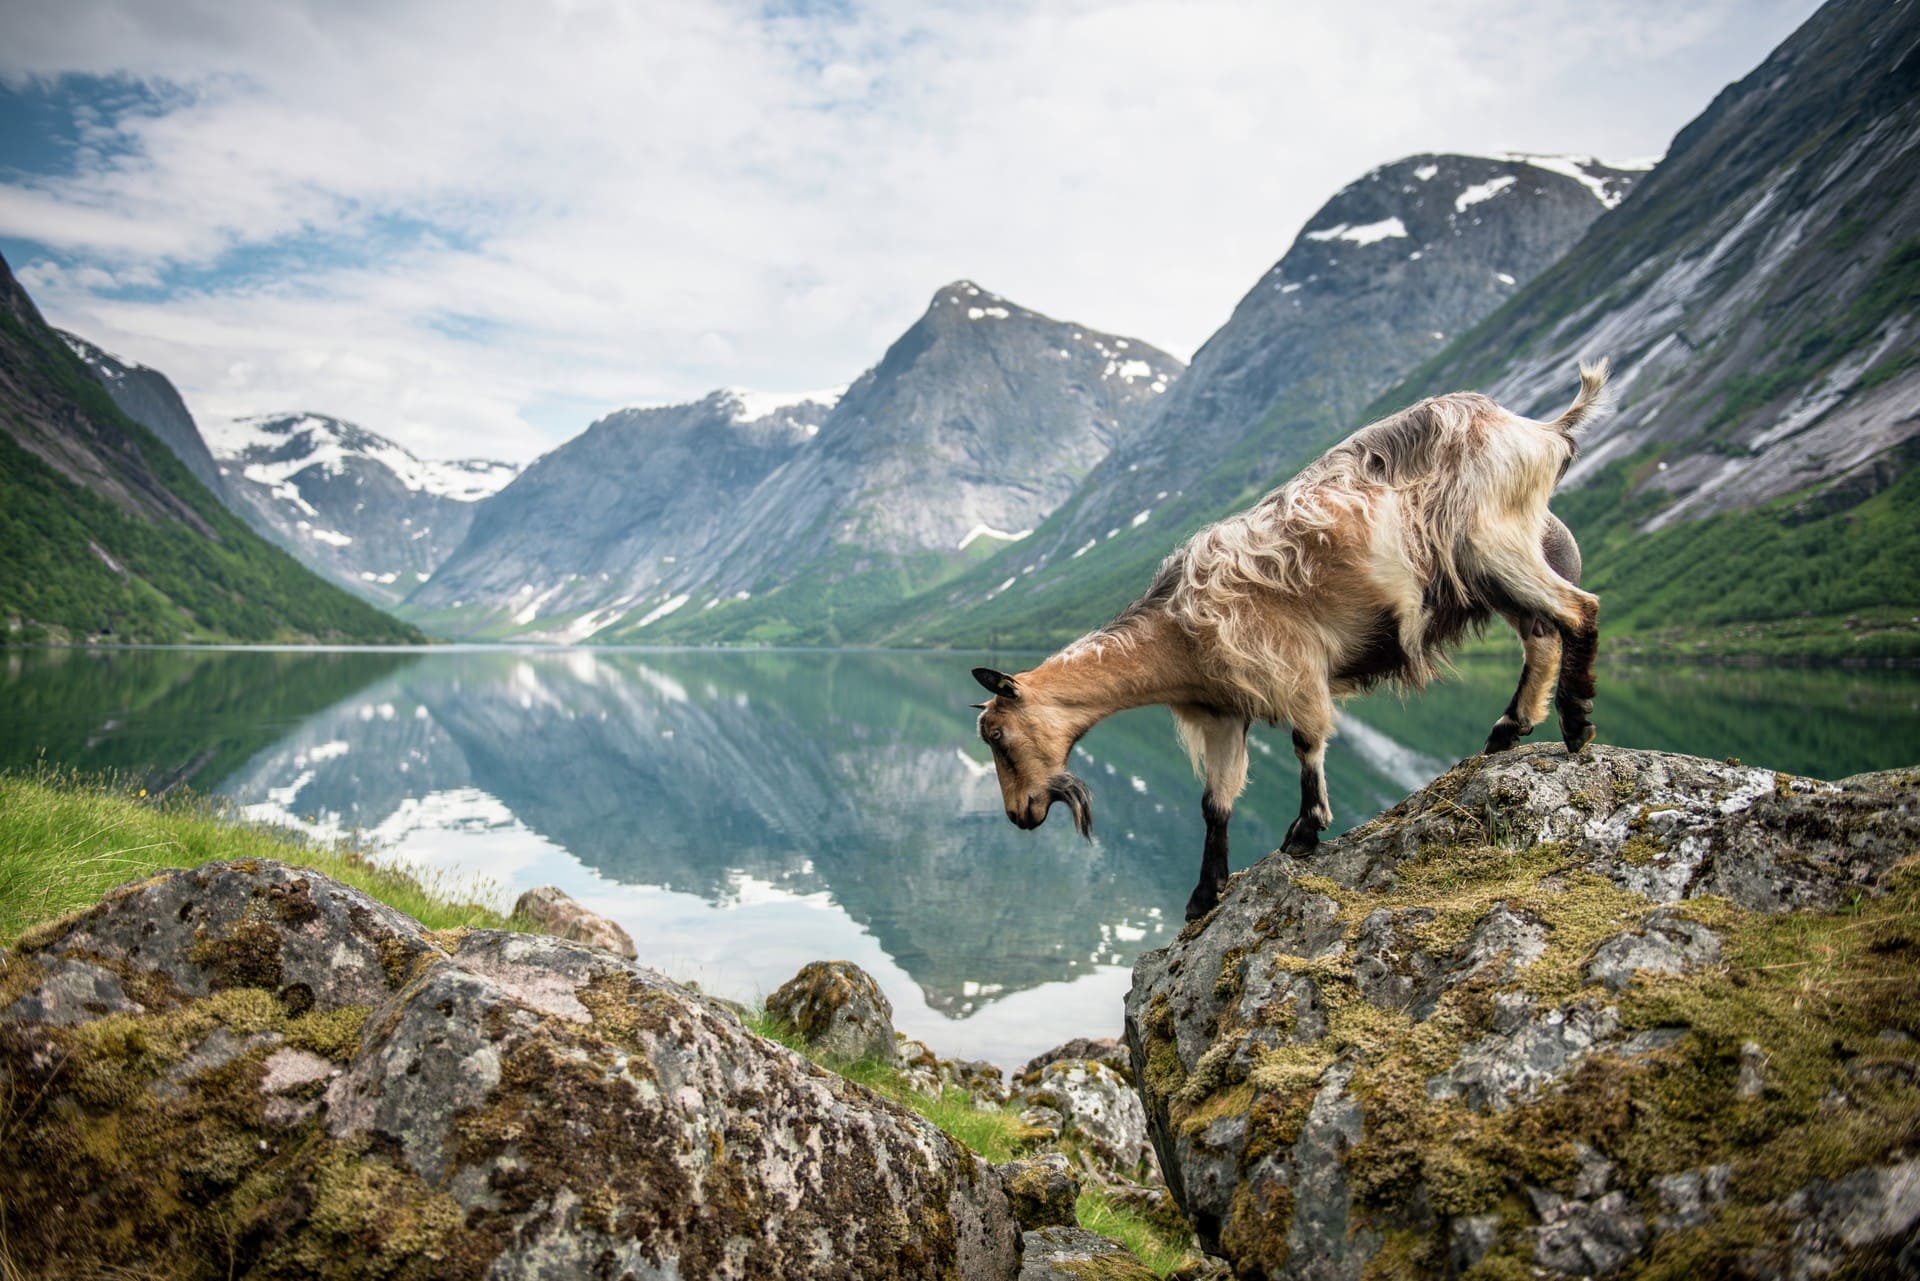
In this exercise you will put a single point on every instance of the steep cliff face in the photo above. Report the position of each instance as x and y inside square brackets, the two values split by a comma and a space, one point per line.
[105, 533]
[150, 399]
[1387, 273]
[352, 505]
[603, 523]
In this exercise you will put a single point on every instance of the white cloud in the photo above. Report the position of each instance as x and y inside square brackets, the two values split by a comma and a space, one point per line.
[641, 202]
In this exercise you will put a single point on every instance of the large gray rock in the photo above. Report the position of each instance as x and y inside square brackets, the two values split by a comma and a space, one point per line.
[511, 1106]
[1540, 1011]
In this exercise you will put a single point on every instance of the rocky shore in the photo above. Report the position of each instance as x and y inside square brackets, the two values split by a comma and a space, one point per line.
[1623, 1014]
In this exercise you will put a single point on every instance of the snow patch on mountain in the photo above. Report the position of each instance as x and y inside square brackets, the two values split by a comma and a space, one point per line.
[752, 406]
[1370, 233]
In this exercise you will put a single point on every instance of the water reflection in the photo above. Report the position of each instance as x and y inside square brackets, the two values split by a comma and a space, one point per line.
[743, 813]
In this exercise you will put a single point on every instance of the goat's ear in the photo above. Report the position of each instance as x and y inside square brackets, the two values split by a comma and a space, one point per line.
[996, 682]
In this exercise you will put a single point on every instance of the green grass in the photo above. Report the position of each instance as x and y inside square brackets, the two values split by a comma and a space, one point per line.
[1098, 1213]
[65, 840]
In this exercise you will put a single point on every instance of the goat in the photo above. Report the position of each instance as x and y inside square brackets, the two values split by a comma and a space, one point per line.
[1363, 568]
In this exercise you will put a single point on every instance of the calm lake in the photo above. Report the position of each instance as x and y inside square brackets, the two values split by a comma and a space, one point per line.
[742, 813]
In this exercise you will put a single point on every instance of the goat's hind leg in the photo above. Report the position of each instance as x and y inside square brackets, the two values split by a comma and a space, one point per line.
[1528, 706]
[1535, 587]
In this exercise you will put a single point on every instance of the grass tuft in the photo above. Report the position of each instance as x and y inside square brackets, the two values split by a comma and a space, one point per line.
[66, 839]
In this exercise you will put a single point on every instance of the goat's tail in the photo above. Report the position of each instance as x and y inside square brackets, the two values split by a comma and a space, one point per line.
[1591, 400]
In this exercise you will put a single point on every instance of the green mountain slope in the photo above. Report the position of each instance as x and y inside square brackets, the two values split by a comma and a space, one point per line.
[105, 534]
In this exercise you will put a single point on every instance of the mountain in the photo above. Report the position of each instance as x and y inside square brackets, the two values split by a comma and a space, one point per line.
[106, 535]
[1384, 275]
[353, 506]
[150, 399]
[1760, 299]
[978, 421]
[600, 524]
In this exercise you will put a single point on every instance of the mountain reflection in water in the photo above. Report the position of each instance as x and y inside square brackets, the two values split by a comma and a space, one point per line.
[742, 813]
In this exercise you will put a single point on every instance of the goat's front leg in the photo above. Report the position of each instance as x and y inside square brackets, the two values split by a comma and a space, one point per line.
[1528, 706]
[1213, 858]
[1223, 746]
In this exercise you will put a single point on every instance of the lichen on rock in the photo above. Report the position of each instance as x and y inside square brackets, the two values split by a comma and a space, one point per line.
[1554, 1015]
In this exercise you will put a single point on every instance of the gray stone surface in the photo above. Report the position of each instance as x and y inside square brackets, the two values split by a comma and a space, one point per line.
[256, 923]
[1074, 1254]
[1041, 1189]
[1664, 943]
[72, 991]
[1098, 1108]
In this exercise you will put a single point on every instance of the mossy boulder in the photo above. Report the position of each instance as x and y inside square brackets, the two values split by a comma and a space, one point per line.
[201, 1089]
[1622, 1013]
[838, 1009]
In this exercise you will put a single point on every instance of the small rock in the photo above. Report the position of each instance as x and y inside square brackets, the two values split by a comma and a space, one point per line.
[1594, 1174]
[838, 1009]
[1108, 1050]
[1752, 1081]
[557, 913]
[1046, 1123]
[1472, 1237]
[1664, 943]
[1097, 1107]
[1687, 1199]
[1589, 1238]
[1041, 1189]
[1495, 1070]
[1073, 1254]
[288, 1068]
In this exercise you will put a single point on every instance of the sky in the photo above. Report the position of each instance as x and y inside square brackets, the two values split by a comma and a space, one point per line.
[475, 227]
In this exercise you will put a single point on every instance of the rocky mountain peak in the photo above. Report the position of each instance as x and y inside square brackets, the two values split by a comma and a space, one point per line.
[357, 507]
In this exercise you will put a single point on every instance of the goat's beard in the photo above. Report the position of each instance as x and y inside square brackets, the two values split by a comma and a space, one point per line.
[1069, 790]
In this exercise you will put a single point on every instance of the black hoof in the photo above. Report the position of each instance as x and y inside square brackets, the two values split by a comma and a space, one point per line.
[1302, 838]
[1505, 734]
[1577, 736]
[1205, 899]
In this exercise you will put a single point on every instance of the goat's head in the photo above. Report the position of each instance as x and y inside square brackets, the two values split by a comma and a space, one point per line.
[1030, 741]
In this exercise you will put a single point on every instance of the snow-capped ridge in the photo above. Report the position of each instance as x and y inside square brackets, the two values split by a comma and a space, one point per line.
[752, 406]
[267, 449]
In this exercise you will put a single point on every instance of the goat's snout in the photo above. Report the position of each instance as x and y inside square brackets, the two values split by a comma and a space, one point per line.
[1031, 814]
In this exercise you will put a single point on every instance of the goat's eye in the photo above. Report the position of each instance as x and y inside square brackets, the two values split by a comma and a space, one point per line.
[994, 735]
